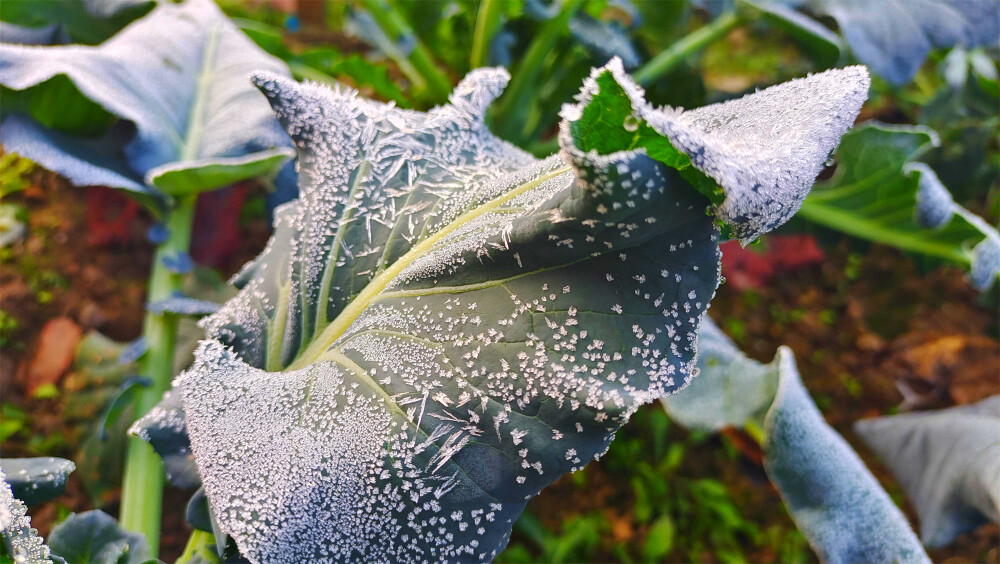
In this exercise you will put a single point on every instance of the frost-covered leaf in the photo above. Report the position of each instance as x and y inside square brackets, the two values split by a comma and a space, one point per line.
[36, 480]
[764, 150]
[179, 75]
[879, 192]
[443, 325]
[948, 462]
[94, 537]
[183, 305]
[165, 428]
[730, 390]
[832, 497]
[431, 298]
[19, 540]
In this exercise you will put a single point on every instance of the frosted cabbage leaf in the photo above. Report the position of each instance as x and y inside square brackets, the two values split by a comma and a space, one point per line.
[15, 528]
[442, 325]
[833, 498]
[948, 462]
[39, 479]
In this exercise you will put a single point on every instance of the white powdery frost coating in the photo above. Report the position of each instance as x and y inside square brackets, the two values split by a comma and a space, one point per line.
[25, 544]
[440, 327]
[765, 149]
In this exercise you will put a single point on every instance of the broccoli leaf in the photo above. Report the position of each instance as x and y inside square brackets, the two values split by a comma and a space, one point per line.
[95, 537]
[36, 480]
[179, 75]
[894, 39]
[948, 461]
[833, 498]
[442, 325]
[879, 192]
[17, 538]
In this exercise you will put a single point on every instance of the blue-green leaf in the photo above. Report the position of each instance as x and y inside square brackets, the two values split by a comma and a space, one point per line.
[731, 390]
[948, 462]
[833, 498]
[94, 537]
[36, 480]
[180, 75]
[442, 325]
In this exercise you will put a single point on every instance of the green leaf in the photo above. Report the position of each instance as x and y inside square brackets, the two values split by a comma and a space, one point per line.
[948, 462]
[81, 21]
[659, 538]
[179, 75]
[36, 480]
[442, 325]
[822, 44]
[94, 537]
[880, 193]
[832, 497]
[18, 540]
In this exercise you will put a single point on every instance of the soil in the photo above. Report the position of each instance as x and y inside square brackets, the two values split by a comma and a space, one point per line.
[863, 326]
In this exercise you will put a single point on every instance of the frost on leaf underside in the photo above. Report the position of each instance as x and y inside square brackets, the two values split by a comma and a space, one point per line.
[440, 327]
[764, 150]
[15, 527]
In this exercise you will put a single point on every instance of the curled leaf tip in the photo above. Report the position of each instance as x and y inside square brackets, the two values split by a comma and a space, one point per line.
[754, 158]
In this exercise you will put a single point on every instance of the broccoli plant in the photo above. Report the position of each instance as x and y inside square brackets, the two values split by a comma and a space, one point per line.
[442, 324]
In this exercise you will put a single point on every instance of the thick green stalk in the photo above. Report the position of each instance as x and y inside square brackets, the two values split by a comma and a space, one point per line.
[697, 40]
[514, 103]
[487, 24]
[421, 68]
[142, 487]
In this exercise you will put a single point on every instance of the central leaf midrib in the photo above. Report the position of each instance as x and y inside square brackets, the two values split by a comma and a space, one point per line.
[195, 128]
[360, 303]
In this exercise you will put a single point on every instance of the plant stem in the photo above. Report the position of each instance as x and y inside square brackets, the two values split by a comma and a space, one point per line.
[487, 23]
[690, 44]
[142, 486]
[513, 105]
[197, 545]
[428, 77]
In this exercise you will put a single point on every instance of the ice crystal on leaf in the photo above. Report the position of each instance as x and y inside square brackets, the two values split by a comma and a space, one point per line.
[443, 325]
